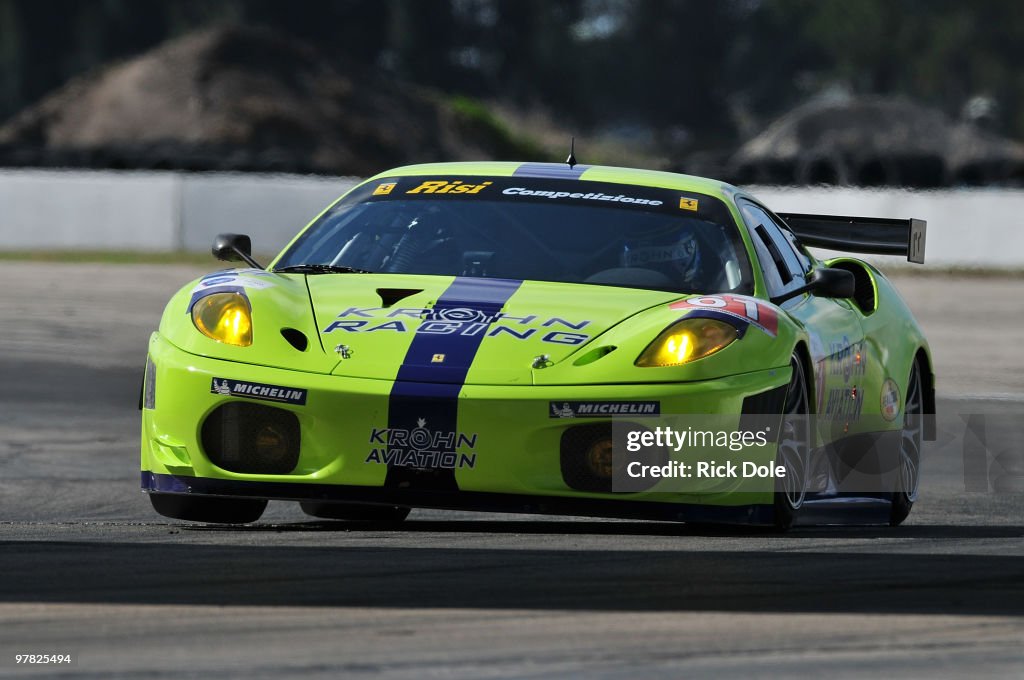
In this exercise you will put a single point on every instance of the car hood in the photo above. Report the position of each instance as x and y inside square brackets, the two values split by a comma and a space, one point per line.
[463, 330]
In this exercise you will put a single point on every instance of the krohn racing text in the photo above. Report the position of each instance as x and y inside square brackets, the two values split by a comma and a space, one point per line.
[458, 321]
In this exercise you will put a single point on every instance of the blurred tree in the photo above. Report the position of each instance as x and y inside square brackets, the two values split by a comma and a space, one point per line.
[533, 52]
[710, 70]
[11, 68]
[939, 51]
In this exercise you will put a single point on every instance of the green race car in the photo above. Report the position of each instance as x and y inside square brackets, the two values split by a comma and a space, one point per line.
[545, 338]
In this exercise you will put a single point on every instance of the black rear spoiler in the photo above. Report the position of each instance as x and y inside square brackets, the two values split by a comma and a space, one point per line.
[873, 235]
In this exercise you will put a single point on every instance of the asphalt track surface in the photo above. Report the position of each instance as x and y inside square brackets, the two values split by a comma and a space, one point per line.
[87, 568]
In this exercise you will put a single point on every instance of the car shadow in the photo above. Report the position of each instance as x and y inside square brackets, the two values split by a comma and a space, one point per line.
[173, 567]
[615, 528]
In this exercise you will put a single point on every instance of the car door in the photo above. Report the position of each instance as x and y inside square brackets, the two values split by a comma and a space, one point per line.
[833, 327]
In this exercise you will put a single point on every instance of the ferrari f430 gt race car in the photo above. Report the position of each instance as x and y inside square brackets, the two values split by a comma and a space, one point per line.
[545, 338]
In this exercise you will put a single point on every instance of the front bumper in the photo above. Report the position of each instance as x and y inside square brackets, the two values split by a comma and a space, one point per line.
[507, 433]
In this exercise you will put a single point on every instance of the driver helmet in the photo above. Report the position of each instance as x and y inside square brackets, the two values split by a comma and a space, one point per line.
[675, 253]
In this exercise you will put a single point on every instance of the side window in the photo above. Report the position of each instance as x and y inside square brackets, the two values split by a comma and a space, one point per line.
[802, 257]
[783, 268]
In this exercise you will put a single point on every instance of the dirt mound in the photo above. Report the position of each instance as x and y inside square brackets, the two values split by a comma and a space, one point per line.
[249, 99]
[876, 141]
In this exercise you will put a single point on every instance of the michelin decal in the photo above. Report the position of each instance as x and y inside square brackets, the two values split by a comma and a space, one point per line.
[603, 409]
[252, 390]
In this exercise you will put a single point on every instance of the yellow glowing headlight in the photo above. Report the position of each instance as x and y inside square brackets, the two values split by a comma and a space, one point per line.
[686, 341]
[225, 317]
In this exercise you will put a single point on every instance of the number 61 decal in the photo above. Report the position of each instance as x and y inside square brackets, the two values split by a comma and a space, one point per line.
[747, 309]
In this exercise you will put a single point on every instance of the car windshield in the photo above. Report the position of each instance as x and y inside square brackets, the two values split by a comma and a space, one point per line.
[529, 228]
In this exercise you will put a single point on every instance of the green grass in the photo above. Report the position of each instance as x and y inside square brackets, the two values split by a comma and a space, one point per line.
[950, 271]
[479, 122]
[120, 257]
[203, 258]
[187, 257]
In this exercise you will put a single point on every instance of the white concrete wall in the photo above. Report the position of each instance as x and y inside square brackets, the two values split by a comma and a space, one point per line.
[163, 211]
[271, 209]
[156, 211]
[966, 227]
[44, 209]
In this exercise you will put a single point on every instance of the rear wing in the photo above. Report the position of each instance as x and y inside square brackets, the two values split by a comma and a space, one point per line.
[873, 235]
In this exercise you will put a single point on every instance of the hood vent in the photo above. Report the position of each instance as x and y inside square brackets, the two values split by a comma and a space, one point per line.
[389, 296]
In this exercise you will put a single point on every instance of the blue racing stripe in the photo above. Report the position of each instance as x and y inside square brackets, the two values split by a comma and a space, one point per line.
[459, 318]
[425, 395]
[550, 170]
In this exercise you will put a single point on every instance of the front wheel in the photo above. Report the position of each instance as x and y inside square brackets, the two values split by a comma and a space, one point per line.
[208, 509]
[794, 448]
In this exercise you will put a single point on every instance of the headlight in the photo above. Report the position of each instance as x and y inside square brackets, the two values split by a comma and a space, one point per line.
[225, 317]
[686, 341]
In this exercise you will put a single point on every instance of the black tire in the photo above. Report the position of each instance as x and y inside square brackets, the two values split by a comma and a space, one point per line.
[794, 448]
[355, 512]
[208, 509]
[908, 477]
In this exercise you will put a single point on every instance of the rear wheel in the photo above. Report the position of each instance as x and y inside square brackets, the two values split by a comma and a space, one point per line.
[355, 512]
[909, 471]
[208, 509]
[794, 447]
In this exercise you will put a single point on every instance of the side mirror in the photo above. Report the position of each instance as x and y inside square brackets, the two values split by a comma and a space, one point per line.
[234, 248]
[833, 283]
[825, 282]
